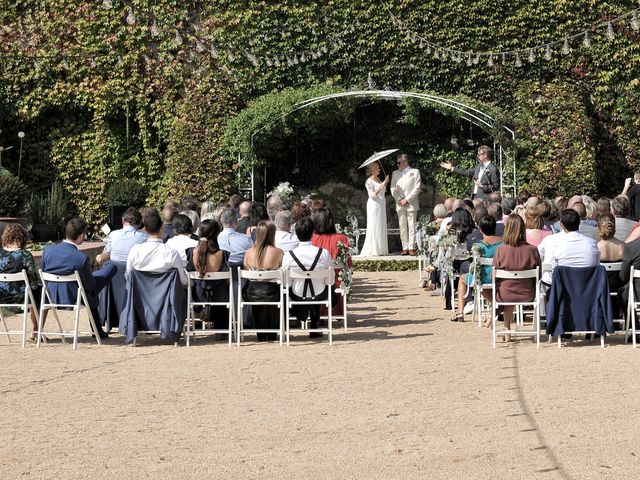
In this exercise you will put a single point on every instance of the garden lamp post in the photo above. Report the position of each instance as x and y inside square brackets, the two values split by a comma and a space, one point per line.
[21, 137]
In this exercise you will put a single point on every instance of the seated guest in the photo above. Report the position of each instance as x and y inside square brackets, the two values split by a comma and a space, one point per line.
[208, 258]
[549, 214]
[207, 211]
[274, 205]
[264, 256]
[325, 236]
[244, 221]
[64, 259]
[14, 257]
[444, 225]
[507, 204]
[317, 204]
[285, 240]
[611, 249]
[488, 245]
[119, 242]
[475, 236]
[620, 209]
[603, 205]
[631, 258]
[230, 240]
[188, 202]
[195, 222]
[234, 202]
[306, 257]
[587, 227]
[169, 211]
[439, 214]
[154, 255]
[462, 226]
[515, 255]
[535, 231]
[182, 240]
[298, 211]
[257, 214]
[575, 249]
[495, 210]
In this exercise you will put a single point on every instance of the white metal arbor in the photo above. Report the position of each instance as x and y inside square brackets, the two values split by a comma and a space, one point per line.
[505, 159]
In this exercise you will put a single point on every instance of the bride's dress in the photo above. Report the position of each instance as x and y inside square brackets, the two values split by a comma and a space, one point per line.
[375, 243]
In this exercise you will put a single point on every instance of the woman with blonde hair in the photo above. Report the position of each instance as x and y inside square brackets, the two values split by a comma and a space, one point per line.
[611, 249]
[534, 223]
[264, 256]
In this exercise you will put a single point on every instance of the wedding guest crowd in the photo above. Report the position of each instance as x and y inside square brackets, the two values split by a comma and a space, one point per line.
[573, 232]
[247, 235]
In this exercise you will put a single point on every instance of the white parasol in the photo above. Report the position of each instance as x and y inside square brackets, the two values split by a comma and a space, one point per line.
[377, 156]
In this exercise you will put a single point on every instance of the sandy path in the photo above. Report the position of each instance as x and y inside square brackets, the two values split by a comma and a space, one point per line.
[404, 394]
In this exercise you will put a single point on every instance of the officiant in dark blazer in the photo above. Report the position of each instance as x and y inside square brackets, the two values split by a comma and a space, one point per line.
[486, 177]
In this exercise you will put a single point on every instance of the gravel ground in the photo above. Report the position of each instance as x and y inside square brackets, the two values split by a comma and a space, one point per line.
[404, 393]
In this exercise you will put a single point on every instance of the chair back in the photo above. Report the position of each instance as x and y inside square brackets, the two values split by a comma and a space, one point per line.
[14, 277]
[486, 262]
[51, 277]
[634, 273]
[612, 267]
[319, 274]
[211, 276]
[516, 275]
[261, 275]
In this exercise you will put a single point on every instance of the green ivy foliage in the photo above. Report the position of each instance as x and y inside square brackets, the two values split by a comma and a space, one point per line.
[557, 149]
[117, 101]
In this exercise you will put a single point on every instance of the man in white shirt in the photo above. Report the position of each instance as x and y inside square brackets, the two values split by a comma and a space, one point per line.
[285, 240]
[576, 249]
[307, 257]
[182, 240]
[154, 255]
[547, 249]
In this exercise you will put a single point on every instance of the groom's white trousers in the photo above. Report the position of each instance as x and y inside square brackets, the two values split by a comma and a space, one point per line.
[407, 228]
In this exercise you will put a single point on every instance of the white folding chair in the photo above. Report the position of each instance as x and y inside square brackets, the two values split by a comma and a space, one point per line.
[342, 293]
[29, 302]
[632, 306]
[259, 276]
[325, 275]
[191, 304]
[47, 303]
[615, 267]
[478, 298]
[534, 304]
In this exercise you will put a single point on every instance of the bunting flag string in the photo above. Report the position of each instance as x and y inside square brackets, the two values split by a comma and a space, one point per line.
[193, 44]
[545, 50]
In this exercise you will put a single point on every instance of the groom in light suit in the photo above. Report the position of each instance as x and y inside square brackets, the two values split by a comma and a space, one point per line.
[405, 188]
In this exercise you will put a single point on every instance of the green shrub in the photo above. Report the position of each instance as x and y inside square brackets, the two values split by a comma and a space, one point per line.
[126, 193]
[13, 196]
[50, 208]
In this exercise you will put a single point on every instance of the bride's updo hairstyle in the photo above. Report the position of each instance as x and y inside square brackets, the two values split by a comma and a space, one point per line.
[371, 168]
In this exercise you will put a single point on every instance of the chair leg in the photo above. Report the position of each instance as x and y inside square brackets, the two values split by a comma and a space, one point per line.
[55, 314]
[76, 324]
[344, 310]
[27, 312]
[4, 325]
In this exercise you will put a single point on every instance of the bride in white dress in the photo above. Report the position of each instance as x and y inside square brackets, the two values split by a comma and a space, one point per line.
[375, 243]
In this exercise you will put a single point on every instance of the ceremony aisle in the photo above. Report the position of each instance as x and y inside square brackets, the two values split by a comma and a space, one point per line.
[403, 394]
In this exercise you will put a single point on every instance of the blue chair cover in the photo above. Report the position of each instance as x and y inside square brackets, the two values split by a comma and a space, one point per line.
[579, 301]
[154, 301]
[112, 298]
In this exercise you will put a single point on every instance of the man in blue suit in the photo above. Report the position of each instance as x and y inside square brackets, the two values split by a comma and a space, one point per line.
[64, 259]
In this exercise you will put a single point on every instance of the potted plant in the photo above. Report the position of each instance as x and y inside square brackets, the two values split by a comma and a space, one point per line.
[47, 211]
[13, 197]
[122, 195]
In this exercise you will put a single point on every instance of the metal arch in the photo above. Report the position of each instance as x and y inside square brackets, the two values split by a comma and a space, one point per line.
[471, 114]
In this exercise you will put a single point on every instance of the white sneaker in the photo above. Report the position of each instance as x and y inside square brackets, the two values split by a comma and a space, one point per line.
[468, 308]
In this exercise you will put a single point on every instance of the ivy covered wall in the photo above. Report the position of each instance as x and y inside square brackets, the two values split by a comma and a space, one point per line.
[147, 100]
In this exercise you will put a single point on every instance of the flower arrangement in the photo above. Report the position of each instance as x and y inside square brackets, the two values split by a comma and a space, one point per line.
[345, 274]
[476, 268]
[425, 229]
[284, 191]
[450, 249]
[352, 232]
